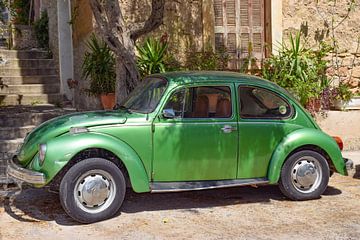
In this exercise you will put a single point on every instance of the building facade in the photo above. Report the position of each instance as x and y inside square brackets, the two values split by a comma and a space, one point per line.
[242, 27]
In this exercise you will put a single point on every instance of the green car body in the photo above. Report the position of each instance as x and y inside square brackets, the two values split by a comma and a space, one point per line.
[154, 149]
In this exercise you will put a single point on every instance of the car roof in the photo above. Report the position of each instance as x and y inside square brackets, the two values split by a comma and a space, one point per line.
[217, 76]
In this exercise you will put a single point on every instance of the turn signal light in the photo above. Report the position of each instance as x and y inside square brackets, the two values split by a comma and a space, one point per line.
[339, 142]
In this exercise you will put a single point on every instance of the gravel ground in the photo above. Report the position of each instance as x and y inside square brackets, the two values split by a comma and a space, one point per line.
[234, 213]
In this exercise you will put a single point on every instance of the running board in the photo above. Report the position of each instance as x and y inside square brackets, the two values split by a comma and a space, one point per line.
[158, 187]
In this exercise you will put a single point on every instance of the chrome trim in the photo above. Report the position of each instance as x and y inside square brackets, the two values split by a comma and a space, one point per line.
[121, 125]
[159, 187]
[25, 175]
[194, 123]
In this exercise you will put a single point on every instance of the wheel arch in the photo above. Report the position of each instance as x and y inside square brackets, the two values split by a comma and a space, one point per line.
[306, 139]
[74, 148]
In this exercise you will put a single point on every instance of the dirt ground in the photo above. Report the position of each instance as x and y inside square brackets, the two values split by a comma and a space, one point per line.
[234, 213]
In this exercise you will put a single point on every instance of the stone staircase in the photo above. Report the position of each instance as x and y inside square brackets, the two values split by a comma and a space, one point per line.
[28, 78]
[15, 123]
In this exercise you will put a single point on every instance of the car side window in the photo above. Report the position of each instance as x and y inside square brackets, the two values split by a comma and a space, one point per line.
[261, 103]
[201, 102]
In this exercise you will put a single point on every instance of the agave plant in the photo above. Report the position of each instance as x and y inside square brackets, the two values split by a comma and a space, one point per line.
[99, 66]
[151, 56]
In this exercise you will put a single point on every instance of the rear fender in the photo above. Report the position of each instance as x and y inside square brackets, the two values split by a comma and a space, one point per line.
[300, 138]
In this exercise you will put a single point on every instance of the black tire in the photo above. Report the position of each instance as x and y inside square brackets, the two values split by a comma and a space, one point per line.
[105, 178]
[300, 168]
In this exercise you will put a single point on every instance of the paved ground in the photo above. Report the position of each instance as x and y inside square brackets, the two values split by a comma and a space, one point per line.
[236, 213]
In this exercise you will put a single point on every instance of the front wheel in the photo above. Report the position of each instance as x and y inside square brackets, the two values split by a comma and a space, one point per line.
[92, 190]
[304, 175]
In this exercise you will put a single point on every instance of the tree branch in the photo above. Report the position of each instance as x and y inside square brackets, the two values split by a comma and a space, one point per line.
[154, 21]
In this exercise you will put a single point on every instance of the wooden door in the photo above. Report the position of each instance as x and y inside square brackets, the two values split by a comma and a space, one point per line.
[239, 29]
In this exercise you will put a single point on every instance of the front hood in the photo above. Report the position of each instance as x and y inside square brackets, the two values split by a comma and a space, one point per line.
[61, 125]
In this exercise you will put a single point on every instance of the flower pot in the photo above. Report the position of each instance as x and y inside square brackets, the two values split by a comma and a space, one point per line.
[108, 101]
[353, 104]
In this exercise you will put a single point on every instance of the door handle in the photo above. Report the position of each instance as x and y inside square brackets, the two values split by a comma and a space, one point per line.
[228, 129]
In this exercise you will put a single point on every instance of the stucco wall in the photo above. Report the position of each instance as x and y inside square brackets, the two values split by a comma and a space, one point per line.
[83, 27]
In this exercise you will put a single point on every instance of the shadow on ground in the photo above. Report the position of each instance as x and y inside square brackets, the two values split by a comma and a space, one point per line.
[34, 205]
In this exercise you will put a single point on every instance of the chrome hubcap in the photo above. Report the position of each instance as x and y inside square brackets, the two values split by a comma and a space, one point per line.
[94, 191]
[306, 174]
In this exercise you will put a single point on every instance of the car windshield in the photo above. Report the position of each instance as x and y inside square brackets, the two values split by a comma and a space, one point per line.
[146, 95]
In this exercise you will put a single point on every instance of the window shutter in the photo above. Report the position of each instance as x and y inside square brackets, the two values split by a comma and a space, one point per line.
[239, 26]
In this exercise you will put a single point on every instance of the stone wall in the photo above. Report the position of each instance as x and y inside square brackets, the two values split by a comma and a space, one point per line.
[315, 21]
[23, 37]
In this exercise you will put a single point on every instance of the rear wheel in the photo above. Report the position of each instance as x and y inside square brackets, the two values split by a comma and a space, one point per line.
[92, 190]
[304, 175]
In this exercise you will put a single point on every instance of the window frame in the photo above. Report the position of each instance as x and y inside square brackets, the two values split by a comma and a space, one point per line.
[288, 116]
[187, 87]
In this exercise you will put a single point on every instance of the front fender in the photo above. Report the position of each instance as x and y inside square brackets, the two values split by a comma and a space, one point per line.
[62, 149]
[301, 138]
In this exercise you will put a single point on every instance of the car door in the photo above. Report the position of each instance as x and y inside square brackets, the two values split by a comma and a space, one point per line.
[196, 138]
[265, 119]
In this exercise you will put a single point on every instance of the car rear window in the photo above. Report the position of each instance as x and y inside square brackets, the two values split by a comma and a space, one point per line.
[257, 102]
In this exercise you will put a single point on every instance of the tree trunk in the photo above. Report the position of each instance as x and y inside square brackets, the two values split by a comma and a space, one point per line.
[121, 38]
[121, 79]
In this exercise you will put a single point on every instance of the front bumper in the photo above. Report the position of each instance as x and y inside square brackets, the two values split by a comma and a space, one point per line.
[349, 165]
[25, 175]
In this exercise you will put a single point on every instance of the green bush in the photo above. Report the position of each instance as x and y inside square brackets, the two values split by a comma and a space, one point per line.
[41, 27]
[99, 65]
[207, 60]
[299, 69]
[151, 56]
[20, 10]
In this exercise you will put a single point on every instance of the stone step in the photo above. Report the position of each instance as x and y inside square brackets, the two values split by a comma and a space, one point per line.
[40, 79]
[9, 147]
[27, 71]
[8, 133]
[30, 89]
[27, 63]
[25, 54]
[19, 116]
[30, 99]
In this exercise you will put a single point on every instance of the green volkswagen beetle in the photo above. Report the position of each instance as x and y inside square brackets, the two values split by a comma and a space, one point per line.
[178, 132]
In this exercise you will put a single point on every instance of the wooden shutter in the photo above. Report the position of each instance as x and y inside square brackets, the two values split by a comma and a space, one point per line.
[239, 26]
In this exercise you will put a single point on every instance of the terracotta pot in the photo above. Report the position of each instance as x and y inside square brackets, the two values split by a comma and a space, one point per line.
[108, 101]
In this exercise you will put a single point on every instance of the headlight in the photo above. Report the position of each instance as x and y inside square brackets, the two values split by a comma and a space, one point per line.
[42, 153]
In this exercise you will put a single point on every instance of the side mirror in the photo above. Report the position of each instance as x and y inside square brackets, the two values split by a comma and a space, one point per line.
[168, 113]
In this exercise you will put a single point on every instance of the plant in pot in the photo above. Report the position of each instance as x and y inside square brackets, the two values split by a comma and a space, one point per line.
[341, 96]
[99, 68]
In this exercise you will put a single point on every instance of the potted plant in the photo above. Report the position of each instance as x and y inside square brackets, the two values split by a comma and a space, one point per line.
[342, 95]
[99, 68]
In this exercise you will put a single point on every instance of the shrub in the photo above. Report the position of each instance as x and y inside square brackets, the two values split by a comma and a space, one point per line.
[207, 60]
[99, 65]
[41, 27]
[299, 69]
[151, 56]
